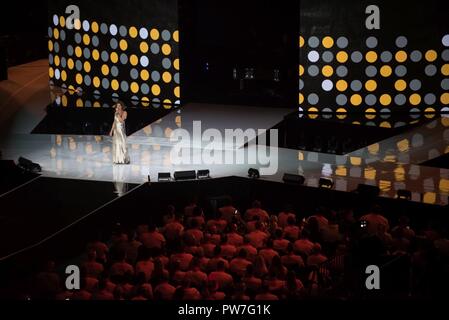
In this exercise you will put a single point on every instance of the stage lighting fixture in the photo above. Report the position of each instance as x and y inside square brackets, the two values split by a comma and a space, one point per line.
[404, 195]
[185, 175]
[294, 179]
[164, 177]
[29, 165]
[253, 173]
[326, 183]
[203, 174]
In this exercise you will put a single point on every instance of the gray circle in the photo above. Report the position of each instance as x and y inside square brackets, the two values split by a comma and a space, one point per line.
[328, 56]
[356, 85]
[87, 80]
[104, 28]
[342, 71]
[400, 99]
[166, 35]
[113, 43]
[371, 42]
[105, 83]
[313, 71]
[445, 84]
[134, 73]
[445, 55]
[301, 84]
[356, 57]
[415, 85]
[51, 59]
[123, 31]
[416, 56]
[70, 50]
[86, 53]
[156, 102]
[386, 56]
[95, 41]
[430, 99]
[62, 35]
[401, 42]
[370, 100]
[341, 100]
[104, 56]
[314, 42]
[56, 47]
[155, 76]
[176, 78]
[145, 88]
[123, 58]
[50, 32]
[400, 71]
[342, 42]
[166, 63]
[88, 104]
[114, 71]
[371, 71]
[313, 99]
[155, 49]
[63, 62]
[78, 38]
[78, 65]
[124, 86]
[431, 70]
[135, 100]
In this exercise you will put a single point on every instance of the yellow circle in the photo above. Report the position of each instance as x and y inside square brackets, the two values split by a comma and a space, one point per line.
[63, 75]
[167, 104]
[328, 42]
[57, 61]
[86, 39]
[79, 78]
[370, 113]
[327, 71]
[51, 72]
[342, 85]
[177, 92]
[96, 55]
[56, 33]
[114, 57]
[123, 44]
[401, 56]
[356, 100]
[445, 70]
[87, 66]
[166, 49]
[114, 85]
[342, 57]
[301, 70]
[144, 47]
[386, 71]
[145, 102]
[70, 64]
[431, 55]
[341, 110]
[313, 110]
[154, 34]
[176, 36]
[96, 82]
[156, 90]
[301, 98]
[78, 52]
[77, 24]
[400, 85]
[415, 99]
[105, 69]
[445, 98]
[429, 110]
[134, 87]
[301, 41]
[385, 99]
[176, 64]
[371, 85]
[133, 32]
[94, 27]
[166, 76]
[371, 56]
[50, 45]
[145, 75]
[134, 60]
[62, 21]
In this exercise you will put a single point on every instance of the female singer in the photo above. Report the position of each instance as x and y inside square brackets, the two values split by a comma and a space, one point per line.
[118, 134]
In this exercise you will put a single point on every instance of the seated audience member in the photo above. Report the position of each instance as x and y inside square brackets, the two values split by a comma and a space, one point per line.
[291, 231]
[159, 271]
[284, 215]
[91, 266]
[251, 251]
[268, 253]
[260, 267]
[403, 229]
[223, 279]
[213, 292]
[82, 294]
[256, 210]
[294, 288]
[239, 293]
[120, 267]
[198, 216]
[279, 243]
[103, 293]
[101, 250]
[320, 216]
[252, 282]
[258, 237]
[218, 223]
[276, 267]
[170, 215]
[174, 230]
[234, 238]
[164, 290]
[132, 248]
[303, 245]
[145, 265]
[239, 265]
[228, 251]
[177, 276]
[316, 258]
[291, 260]
[153, 238]
[376, 221]
[265, 294]
[194, 234]
[217, 258]
[251, 225]
[180, 255]
[196, 276]
[228, 211]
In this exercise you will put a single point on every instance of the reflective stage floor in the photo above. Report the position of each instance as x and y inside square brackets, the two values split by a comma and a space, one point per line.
[392, 164]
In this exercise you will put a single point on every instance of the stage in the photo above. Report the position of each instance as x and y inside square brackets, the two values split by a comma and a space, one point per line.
[392, 164]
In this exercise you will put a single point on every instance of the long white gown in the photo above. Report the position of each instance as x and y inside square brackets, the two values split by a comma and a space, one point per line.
[119, 147]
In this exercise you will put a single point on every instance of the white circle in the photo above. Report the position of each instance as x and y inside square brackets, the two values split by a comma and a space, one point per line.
[143, 33]
[144, 61]
[86, 25]
[55, 20]
[313, 56]
[327, 85]
[113, 29]
[57, 74]
[446, 40]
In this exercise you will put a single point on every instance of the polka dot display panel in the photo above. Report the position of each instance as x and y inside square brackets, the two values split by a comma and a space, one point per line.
[130, 62]
[337, 75]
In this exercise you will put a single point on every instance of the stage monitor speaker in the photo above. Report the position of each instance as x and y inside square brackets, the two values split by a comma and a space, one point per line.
[368, 190]
[404, 195]
[29, 165]
[185, 175]
[326, 183]
[164, 177]
[203, 174]
[253, 173]
[294, 179]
